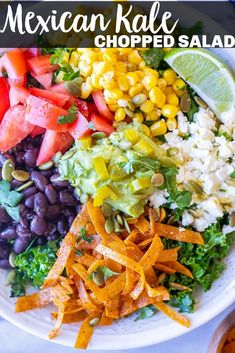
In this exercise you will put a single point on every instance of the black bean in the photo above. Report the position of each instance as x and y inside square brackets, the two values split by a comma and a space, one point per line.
[24, 222]
[22, 232]
[40, 240]
[68, 211]
[53, 212]
[20, 245]
[30, 215]
[4, 264]
[51, 229]
[46, 173]
[39, 180]
[23, 210]
[62, 227]
[38, 225]
[8, 233]
[51, 194]
[4, 217]
[67, 198]
[40, 204]
[30, 157]
[78, 208]
[2, 159]
[4, 251]
[70, 220]
[51, 237]
[59, 183]
[30, 191]
[19, 158]
[29, 202]
[16, 183]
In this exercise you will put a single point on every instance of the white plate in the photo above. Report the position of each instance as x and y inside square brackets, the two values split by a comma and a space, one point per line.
[127, 333]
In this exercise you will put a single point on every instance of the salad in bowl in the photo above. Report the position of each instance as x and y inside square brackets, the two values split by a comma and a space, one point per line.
[117, 182]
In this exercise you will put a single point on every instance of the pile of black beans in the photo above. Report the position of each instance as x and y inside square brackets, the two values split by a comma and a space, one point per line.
[47, 209]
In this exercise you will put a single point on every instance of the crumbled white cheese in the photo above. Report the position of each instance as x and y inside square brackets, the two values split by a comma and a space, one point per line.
[187, 219]
[228, 229]
[159, 198]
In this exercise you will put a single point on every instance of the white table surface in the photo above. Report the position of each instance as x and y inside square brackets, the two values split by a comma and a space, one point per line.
[14, 340]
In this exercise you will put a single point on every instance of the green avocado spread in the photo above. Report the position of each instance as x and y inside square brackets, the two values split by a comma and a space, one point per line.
[117, 170]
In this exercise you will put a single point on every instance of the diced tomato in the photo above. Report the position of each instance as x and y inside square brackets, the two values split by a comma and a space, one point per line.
[41, 64]
[18, 94]
[80, 127]
[58, 87]
[37, 131]
[53, 97]
[44, 114]
[101, 105]
[31, 52]
[101, 124]
[14, 63]
[82, 107]
[4, 97]
[44, 79]
[14, 128]
[52, 143]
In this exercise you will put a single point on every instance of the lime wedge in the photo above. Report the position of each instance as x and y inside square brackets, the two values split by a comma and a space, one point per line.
[210, 78]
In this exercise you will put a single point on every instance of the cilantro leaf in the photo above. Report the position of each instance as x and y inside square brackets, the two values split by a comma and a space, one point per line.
[146, 312]
[70, 118]
[69, 73]
[140, 162]
[83, 235]
[9, 200]
[153, 57]
[193, 109]
[232, 175]
[18, 286]
[107, 272]
[184, 301]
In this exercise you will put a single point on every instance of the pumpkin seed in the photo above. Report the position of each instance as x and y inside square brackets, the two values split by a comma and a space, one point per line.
[126, 225]
[10, 278]
[74, 87]
[98, 278]
[106, 210]
[161, 278]
[195, 187]
[46, 166]
[20, 175]
[109, 225]
[24, 186]
[171, 221]
[98, 135]
[162, 215]
[7, 169]
[93, 322]
[12, 259]
[120, 220]
[172, 151]
[157, 214]
[67, 155]
[57, 157]
[232, 219]
[117, 228]
[157, 179]
[185, 102]
[179, 286]
[200, 102]
[194, 213]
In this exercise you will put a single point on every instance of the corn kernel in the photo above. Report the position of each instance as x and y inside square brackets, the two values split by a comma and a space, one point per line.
[120, 114]
[96, 81]
[85, 69]
[140, 75]
[109, 100]
[171, 124]
[116, 93]
[132, 78]
[138, 117]
[108, 84]
[168, 90]
[154, 115]
[169, 111]
[125, 51]
[178, 85]
[162, 83]
[113, 107]
[136, 89]
[146, 130]
[123, 102]
[157, 97]
[89, 56]
[86, 89]
[172, 99]
[121, 66]
[142, 65]
[159, 128]
[134, 57]
[149, 82]
[131, 67]
[143, 147]
[148, 71]
[131, 135]
[139, 99]
[123, 83]
[170, 76]
[147, 106]
[74, 58]
[109, 57]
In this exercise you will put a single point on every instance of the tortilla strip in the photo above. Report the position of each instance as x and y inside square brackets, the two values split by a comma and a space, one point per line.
[34, 301]
[84, 334]
[142, 225]
[59, 322]
[168, 255]
[105, 321]
[178, 267]
[87, 303]
[72, 317]
[112, 308]
[168, 311]
[164, 268]
[153, 252]
[180, 234]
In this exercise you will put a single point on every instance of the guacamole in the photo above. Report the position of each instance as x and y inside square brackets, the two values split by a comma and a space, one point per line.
[117, 170]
